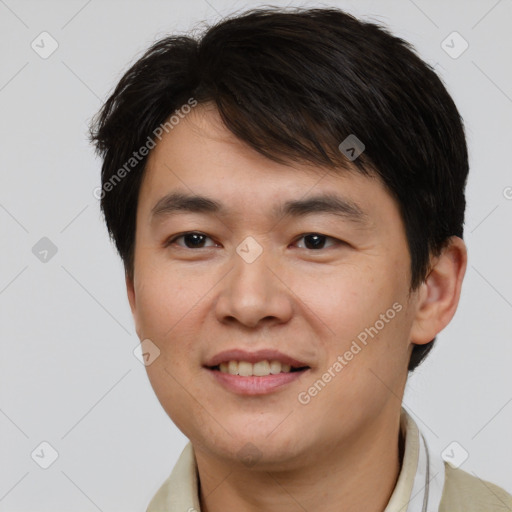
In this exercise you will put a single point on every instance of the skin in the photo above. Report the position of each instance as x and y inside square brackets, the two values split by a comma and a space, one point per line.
[309, 303]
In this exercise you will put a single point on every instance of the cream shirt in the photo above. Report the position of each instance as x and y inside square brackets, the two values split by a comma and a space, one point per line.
[426, 483]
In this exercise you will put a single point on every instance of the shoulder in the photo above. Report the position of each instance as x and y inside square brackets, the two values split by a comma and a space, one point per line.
[464, 492]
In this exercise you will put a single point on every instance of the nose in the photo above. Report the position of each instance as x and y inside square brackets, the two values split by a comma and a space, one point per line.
[254, 293]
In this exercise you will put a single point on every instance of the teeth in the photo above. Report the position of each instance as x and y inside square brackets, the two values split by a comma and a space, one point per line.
[233, 367]
[259, 369]
[275, 367]
[244, 369]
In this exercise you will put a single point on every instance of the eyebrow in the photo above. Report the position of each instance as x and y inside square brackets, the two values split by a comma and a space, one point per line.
[179, 202]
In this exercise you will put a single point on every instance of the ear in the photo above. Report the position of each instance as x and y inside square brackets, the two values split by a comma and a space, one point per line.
[438, 296]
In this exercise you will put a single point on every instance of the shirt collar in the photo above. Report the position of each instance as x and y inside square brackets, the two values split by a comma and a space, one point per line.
[421, 480]
[418, 488]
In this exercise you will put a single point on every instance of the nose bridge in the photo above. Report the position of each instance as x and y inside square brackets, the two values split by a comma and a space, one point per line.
[251, 291]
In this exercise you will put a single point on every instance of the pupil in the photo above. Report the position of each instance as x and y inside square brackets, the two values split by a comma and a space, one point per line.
[196, 237]
[317, 244]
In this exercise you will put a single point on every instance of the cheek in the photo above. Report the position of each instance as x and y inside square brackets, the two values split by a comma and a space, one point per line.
[169, 307]
[348, 300]
[166, 309]
[166, 300]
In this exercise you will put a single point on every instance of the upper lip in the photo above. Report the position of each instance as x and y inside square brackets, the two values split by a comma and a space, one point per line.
[253, 357]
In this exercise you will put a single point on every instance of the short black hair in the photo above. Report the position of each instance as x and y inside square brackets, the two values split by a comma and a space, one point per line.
[293, 83]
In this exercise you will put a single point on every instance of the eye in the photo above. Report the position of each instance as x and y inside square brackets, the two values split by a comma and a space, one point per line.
[193, 239]
[196, 240]
[316, 241]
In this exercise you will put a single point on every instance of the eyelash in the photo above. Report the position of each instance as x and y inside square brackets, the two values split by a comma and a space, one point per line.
[174, 238]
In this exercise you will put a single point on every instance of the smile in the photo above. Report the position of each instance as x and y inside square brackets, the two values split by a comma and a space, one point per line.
[254, 372]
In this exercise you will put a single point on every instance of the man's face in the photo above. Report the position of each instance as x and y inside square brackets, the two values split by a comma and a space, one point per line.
[315, 287]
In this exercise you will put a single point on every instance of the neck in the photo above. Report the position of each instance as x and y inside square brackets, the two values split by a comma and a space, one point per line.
[357, 475]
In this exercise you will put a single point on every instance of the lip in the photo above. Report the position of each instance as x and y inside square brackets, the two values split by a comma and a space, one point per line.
[253, 357]
[255, 385]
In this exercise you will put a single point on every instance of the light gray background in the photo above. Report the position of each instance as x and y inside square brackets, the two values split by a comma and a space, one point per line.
[68, 373]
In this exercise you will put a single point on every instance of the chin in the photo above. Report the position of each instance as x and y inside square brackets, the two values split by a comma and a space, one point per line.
[258, 447]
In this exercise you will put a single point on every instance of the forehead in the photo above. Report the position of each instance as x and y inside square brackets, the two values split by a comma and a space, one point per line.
[200, 164]
[201, 143]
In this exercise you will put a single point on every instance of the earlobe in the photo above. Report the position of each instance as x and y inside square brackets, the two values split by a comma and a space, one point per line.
[439, 295]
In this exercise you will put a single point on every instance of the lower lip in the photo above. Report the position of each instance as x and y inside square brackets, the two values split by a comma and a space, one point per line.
[255, 385]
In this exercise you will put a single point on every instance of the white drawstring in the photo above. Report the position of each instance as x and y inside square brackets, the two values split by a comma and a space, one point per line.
[428, 483]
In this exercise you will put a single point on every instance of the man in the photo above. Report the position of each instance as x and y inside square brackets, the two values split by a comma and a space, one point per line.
[287, 196]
